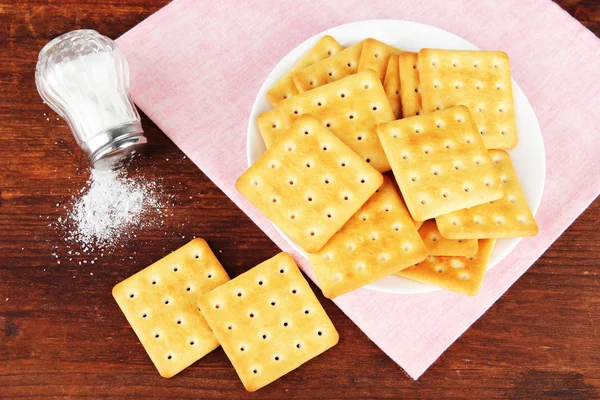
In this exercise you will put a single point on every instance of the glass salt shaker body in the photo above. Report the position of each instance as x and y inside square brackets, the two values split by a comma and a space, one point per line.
[84, 77]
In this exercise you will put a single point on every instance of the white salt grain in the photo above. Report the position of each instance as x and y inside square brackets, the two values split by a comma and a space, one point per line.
[112, 206]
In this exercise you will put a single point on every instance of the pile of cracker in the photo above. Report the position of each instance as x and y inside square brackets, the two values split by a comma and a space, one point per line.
[439, 120]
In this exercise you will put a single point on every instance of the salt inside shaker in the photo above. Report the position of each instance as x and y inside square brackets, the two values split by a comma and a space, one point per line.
[84, 77]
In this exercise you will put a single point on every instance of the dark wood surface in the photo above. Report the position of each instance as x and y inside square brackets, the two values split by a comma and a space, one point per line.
[62, 334]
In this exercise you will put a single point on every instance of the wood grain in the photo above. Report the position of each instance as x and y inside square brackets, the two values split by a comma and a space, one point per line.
[62, 335]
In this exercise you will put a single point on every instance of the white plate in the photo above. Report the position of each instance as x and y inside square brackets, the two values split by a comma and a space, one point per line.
[528, 156]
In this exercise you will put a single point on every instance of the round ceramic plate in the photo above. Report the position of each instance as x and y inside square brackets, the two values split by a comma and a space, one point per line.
[528, 156]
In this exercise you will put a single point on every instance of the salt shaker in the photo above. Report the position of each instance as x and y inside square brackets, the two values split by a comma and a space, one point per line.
[84, 77]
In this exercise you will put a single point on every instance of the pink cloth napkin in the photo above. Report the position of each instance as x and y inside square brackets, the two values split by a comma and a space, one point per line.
[196, 67]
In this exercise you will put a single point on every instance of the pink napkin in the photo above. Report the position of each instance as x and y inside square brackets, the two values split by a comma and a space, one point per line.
[196, 67]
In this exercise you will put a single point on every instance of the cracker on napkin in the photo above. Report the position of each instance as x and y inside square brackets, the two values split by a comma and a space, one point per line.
[479, 80]
[440, 162]
[437, 245]
[309, 183]
[351, 108]
[161, 305]
[285, 87]
[391, 84]
[268, 321]
[375, 56]
[462, 275]
[410, 91]
[329, 70]
[378, 240]
[507, 217]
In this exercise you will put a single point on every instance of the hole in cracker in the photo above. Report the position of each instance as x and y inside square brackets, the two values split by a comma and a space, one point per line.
[397, 227]
[294, 291]
[439, 269]
[407, 247]
[154, 282]
[328, 125]
[351, 116]
[307, 165]
[343, 95]
[274, 126]
[131, 295]
[383, 257]
[175, 269]
[298, 345]
[144, 315]
[319, 104]
[189, 288]
[192, 343]
[502, 133]
[325, 148]
[359, 138]
[373, 236]
[445, 195]
[242, 348]
[311, 83]
[217, 306]
[169, 357]
[179, 322]
[319, 333]
[264, 336]
[312, 233]
[427, 150]
[295, 111]
[512, 198]
[366, 86]
[156, 335]
[368, 160]
[434, 238]
[255, 371]
[273, 165]
[343, 164]
[360, 267]
[229, 327]
[276, 358]
[454, 222]
[209, 276]
[273, 303]
[423, 202]
[285, 323]
[251, 315]
[463, 276]
[260, 283]
[477, 220]
[328, 215]
[346, 198]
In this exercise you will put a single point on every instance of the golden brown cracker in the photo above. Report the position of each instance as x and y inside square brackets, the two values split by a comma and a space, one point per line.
[410, 92]
[329, 70]
[351, 108]
[309, 183]
[391, 85]
[479, 80]
[268, 321]
[161, 305]
[462, 275]
[440, 162]
[378, 240]
[437, 245]
[507, 217]
[375, 56]
[285, 87]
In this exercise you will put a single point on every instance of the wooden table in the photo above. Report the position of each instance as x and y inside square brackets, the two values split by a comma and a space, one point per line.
[62, 334]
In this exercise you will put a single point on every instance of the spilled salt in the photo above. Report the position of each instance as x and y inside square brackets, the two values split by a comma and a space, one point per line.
[109, 208]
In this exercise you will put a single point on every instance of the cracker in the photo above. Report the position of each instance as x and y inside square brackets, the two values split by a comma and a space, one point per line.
[437, 245]
[462, 275]
[479, 80]
[351, 107]
[507, 217]
[329, 70]
[378, 240]
[161, 304]
[271, 126]
[410, 92]
[391, 84]
[268, 321]
[285, 88]
[309, 183]
[375, 56]
[440, 162]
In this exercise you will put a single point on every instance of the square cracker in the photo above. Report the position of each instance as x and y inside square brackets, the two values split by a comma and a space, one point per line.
[285, 88]
[391, 84]
[437, 245]
[271, 126]
[462, 275]
[410, 91]
[161, 304]
[309, 183]
[268, 321]
[440, 162]
[329, 70]
[375, 56]
[378, 240]
[479, 80]
[351, 107]
[507, 217]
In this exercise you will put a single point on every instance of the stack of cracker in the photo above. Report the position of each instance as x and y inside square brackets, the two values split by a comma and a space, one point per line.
[440, 120]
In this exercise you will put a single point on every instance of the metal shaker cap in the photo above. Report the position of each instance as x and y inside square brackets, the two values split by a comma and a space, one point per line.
[84, 77]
